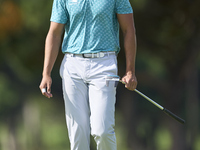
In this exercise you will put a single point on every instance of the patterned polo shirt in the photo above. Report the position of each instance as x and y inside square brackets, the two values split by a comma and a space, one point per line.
[91, 26]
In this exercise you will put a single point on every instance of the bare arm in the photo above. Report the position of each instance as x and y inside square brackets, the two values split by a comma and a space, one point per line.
[126, 22]
[52, 45]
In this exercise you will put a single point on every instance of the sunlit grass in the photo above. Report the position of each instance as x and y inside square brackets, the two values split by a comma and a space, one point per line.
[163, 139]
[197, 143]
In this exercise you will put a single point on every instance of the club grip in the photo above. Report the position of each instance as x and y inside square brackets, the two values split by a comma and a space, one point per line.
[173, 116]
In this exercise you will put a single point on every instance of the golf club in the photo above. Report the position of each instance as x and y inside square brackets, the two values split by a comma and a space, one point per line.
[117, 78]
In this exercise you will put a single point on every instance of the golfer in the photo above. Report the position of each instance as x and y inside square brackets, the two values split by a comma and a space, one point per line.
[90, 46]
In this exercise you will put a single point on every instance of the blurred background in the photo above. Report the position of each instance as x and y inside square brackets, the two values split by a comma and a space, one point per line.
[167, 68]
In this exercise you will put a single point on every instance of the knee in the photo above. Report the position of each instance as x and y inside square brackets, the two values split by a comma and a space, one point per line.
[103, 133]
[105, 138]
[78, 126]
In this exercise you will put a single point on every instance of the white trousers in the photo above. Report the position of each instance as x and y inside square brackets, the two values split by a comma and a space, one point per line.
[89, 102]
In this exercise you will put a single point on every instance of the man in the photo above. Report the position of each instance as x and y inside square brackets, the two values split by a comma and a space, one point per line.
[90, 45]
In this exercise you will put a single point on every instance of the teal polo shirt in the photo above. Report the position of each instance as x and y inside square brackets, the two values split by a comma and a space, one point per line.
[91, 26]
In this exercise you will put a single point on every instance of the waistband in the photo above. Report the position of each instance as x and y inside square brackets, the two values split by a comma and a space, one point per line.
[91, 55]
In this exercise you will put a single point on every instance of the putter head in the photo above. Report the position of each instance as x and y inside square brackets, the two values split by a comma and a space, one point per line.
[114, 78]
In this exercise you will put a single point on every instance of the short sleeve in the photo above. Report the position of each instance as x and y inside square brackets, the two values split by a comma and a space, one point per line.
[123, 7]
[59, 12]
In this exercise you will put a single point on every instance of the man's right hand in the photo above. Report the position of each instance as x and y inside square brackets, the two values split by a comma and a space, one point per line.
[45, 86]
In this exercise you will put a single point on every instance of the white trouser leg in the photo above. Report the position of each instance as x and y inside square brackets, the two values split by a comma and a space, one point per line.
[102, 105]
[89, 102]
[77, 111]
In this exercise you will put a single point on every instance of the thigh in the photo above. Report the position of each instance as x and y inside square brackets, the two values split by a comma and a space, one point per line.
[102, 107]
[75, 91]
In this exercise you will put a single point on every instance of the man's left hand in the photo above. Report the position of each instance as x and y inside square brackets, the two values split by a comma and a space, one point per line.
[131, 81]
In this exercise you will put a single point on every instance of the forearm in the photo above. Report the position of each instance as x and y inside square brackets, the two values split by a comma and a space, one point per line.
[130, 50]
[52, 46]
[126, 22]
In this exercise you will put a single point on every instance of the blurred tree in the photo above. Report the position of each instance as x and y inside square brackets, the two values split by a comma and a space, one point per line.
[10, 18]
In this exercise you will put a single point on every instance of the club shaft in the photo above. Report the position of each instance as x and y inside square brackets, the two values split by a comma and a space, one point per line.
[159, 106]
[162, 108]
[150, 100]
